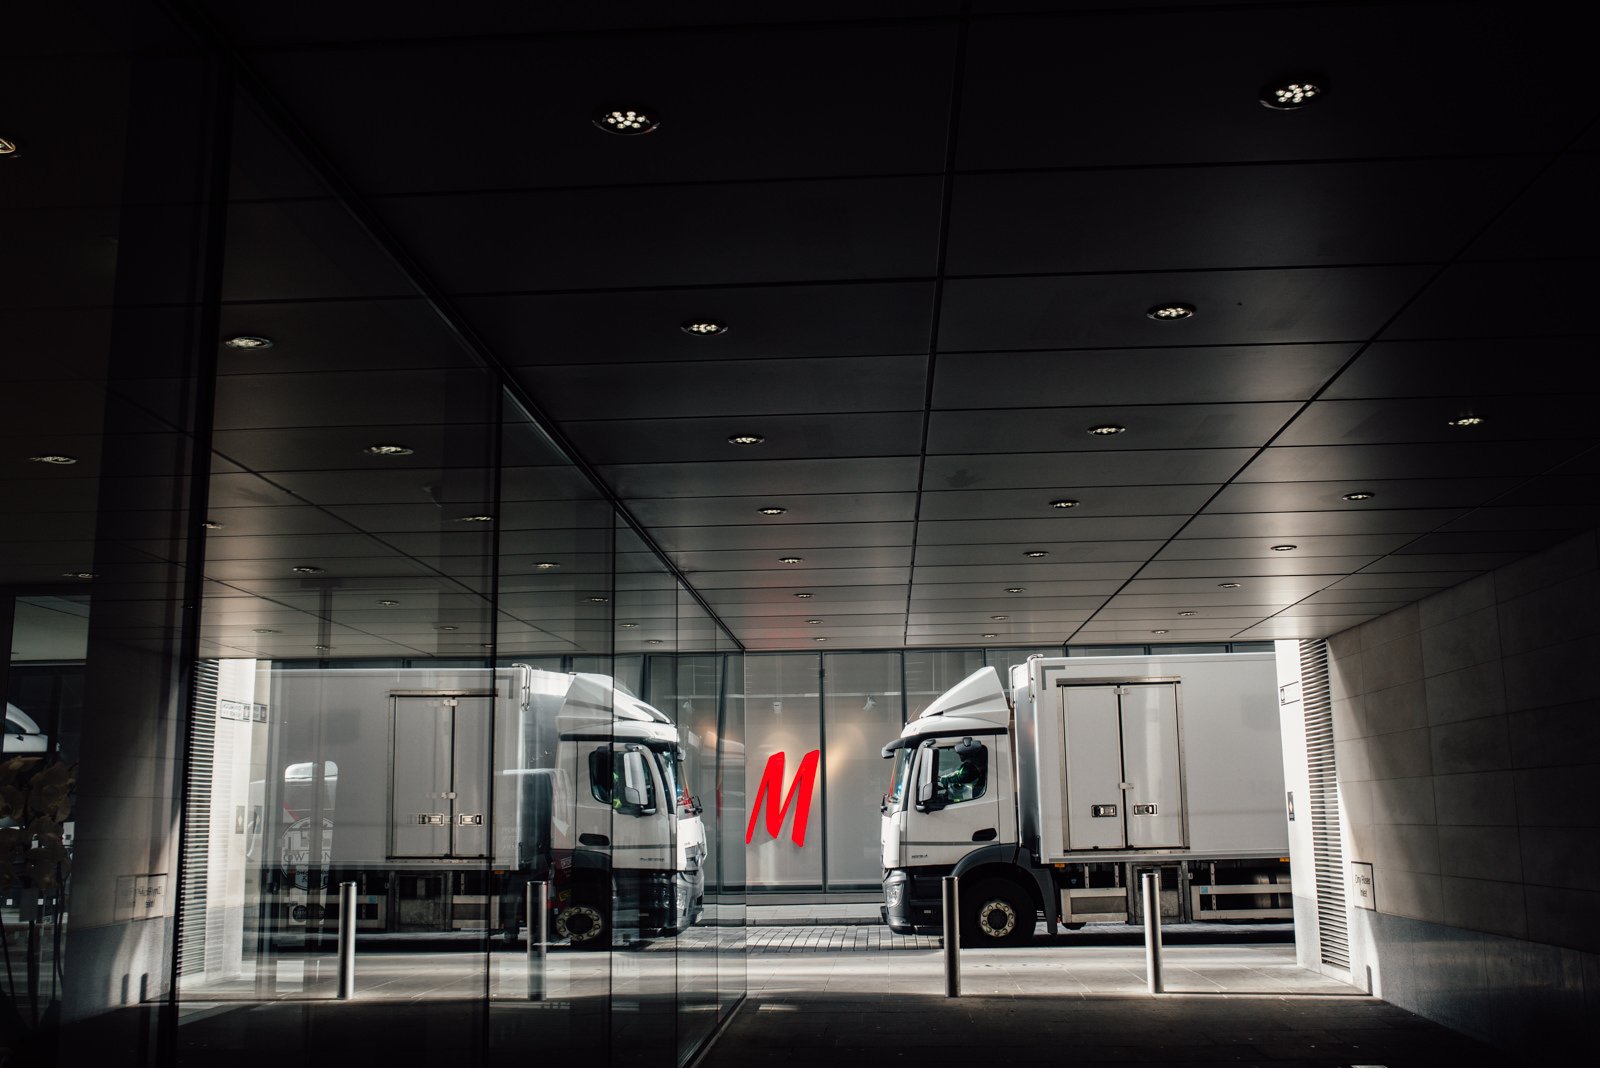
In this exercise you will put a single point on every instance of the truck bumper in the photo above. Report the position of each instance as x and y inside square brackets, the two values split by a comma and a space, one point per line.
[907, 908]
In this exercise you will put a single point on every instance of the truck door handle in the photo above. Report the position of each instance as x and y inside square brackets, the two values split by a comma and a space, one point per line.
[988, 834]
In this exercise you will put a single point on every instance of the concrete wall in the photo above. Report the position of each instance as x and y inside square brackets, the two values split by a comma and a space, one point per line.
[1467, 734]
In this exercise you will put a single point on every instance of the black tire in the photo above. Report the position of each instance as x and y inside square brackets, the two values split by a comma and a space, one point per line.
[584, 921]
[996, 913]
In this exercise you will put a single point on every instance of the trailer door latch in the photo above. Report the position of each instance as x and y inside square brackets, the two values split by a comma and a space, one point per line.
[1102, 810]
[434, 818]
[470, 820]
[1144, 810]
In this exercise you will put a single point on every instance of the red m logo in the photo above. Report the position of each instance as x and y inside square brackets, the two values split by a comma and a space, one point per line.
[805, 779]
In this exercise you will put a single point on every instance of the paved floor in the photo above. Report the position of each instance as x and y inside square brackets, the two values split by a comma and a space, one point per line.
[837, 988]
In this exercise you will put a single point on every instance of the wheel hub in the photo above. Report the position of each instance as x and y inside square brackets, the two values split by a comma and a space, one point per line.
[580, 923]
[997, 919]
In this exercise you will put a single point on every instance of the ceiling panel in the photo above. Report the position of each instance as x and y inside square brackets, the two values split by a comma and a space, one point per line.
[729, 388]
[769, 321]
[1086, 469]
[1298, 306]
[787, 437]
[1184, 87]
[1174, 426]
[1211, 375]
[1272, 215]
[673, 235]
[744, 478]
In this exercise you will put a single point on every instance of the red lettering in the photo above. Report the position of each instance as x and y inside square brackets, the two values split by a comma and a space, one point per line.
[805, 779]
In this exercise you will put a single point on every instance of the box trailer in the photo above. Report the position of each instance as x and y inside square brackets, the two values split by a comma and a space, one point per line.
[443, 792]
[1046, 801]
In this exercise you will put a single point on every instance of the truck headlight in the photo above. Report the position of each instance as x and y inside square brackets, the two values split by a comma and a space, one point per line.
[893, 892]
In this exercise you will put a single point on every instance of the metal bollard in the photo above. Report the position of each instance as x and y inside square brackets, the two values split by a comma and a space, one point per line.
[951, 900]
[347, 941]
[1150, 887]
[538, 939]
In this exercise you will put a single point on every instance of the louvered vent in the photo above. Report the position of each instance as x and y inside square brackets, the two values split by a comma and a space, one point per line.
[1327, 852]
[197, 821]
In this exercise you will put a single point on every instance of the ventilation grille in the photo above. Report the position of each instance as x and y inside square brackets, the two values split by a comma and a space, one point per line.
[191, 932]
[1327, 852]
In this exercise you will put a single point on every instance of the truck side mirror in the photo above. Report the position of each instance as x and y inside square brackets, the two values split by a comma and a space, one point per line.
[636, 785]
[927, 797]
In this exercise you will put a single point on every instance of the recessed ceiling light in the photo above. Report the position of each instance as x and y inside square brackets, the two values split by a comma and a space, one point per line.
[53, 458]
[1186, 614]
[813, 622]
[626, 120]
[7, 148]
[1467, 419]
[323, 648]
[652, 641]
[991, 634]
[1158, 632]
[447, 626]
[486, 645]
[546, 565]
[745, 439]
[773, 510]
[248, 341]
[1016, 589]
[1034, 554]
[1284, 548]
[819, 639]
[308, 569]
[1229, 585]
[388, 604]
[598, 600]
[999, 618]
[211, 524]
[627, 626]
[703, 327]
[77, 574]
[475, 519]
[1105, 430]
[1167, 313]
[265, 630]
[805, 596]
[1360, 495]
[1065, 502]
[790, 559]
[1290, 93]
[387, 450]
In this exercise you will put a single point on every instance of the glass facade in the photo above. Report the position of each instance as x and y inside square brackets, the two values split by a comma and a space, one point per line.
[326, 635]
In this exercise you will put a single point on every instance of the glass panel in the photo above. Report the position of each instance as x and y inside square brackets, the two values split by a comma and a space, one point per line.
[861, 713]
[1005, 659]
[695, 698]
[930, 673]
[729, 826]
[784, 744]
[353, 520]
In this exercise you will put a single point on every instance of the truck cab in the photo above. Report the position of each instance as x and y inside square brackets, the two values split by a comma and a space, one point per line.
[951, 810]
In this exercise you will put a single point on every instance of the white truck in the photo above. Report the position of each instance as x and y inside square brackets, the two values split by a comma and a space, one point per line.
[443, 792]
[1046, 802]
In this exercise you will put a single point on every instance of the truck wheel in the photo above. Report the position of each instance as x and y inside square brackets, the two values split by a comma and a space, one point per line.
[585, 924]
[997, 913]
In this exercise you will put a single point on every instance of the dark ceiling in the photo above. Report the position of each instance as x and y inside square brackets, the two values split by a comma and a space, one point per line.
[934, 232]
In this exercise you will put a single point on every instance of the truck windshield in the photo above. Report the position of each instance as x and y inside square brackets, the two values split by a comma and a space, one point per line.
[897, 777]
[670, 759]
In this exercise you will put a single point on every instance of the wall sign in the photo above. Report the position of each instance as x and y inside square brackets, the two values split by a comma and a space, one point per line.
[800, 790]
[1361, 886]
